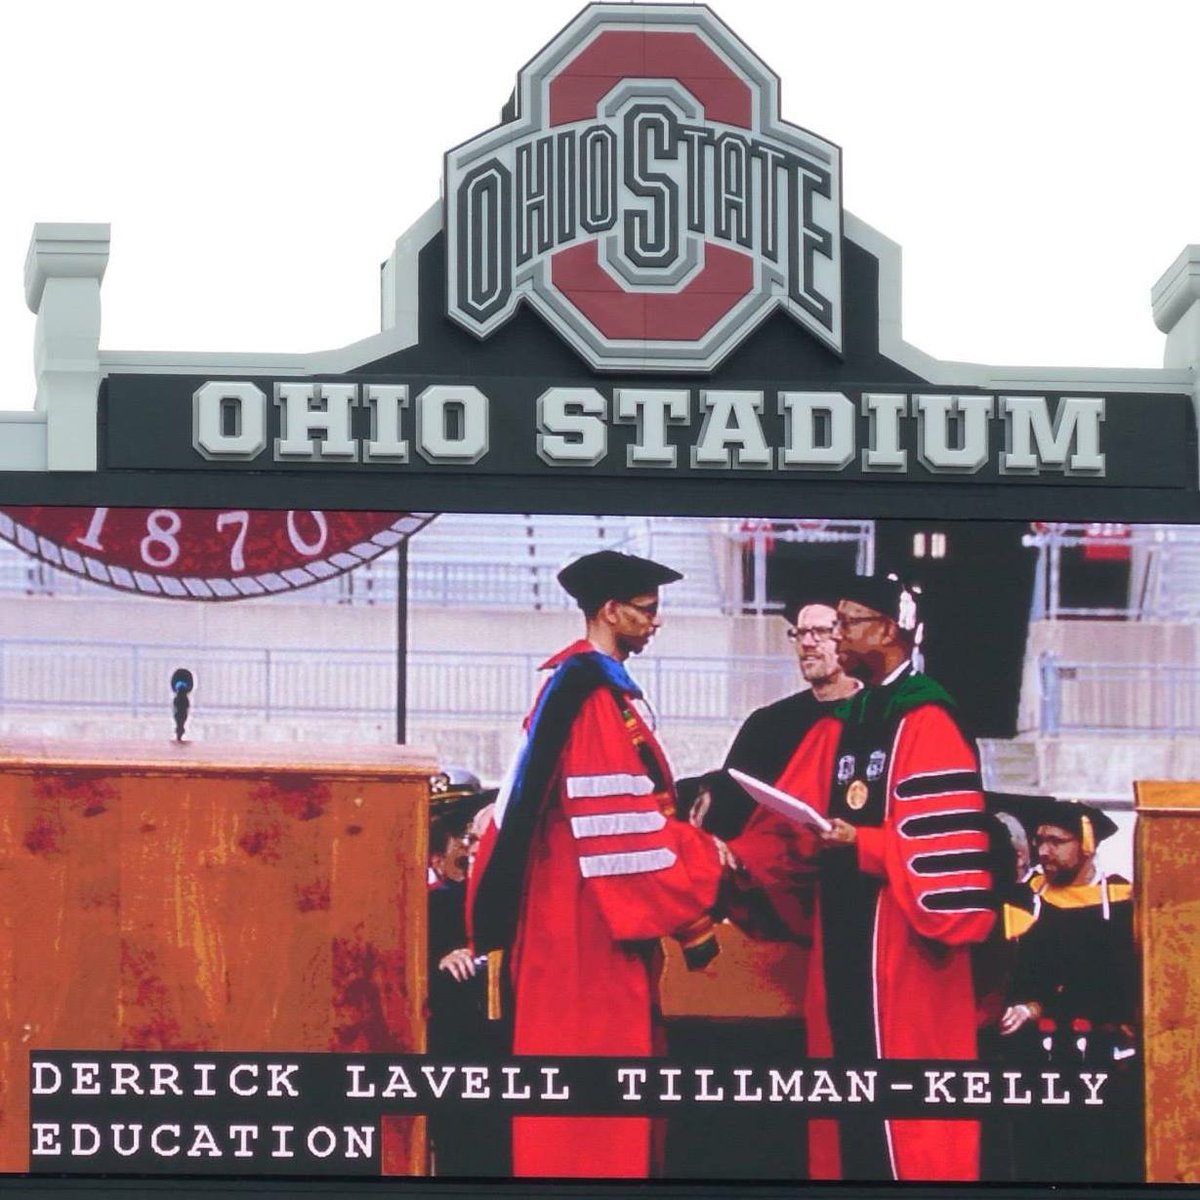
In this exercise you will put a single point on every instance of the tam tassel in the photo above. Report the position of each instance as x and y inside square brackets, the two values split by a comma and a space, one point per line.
[1087, 835]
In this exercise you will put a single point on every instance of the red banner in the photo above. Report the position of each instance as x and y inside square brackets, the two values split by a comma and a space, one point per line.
[205, 553]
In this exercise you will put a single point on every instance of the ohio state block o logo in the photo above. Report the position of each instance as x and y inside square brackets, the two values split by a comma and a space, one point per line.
[646, 200]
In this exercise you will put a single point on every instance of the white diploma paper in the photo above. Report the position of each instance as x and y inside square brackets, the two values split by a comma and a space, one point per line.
[779, 802]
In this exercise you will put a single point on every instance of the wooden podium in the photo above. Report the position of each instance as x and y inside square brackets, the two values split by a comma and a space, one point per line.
[190, 897]
[749, 980]
[1168, 894]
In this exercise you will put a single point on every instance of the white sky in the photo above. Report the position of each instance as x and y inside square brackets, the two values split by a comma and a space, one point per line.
[1036, 161]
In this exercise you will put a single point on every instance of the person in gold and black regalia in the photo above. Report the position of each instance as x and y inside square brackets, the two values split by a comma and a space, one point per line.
[1073, 997]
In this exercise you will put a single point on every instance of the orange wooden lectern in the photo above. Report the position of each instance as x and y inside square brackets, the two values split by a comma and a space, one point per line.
[1168, 850]
[191, 897]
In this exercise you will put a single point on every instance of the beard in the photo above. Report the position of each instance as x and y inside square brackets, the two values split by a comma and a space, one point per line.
[818, 669]
[633, 645]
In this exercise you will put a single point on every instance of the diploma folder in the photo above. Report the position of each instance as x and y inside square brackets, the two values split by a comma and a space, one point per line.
[788, 807]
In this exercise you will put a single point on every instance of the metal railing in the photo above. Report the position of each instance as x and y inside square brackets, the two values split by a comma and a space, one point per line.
[1118, 698]
[513, 560]
[131, 679]
[760, 536]
[474, 584]
[507, 560]
[1164, 569]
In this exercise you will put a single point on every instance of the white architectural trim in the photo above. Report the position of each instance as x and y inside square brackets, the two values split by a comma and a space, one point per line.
[66, 265]
[1175, 299]
[1177, 289]
[63, 270]
[22, 441]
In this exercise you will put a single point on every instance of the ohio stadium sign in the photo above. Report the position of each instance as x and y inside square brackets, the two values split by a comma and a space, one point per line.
[643, 272]
[646, 199]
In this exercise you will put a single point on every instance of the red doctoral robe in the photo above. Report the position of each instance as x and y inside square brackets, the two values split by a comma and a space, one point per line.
[927, 910]
[610, 871]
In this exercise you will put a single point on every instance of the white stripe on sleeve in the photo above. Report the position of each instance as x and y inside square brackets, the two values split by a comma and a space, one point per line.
[587, 787]
[637, 862]
[608, 824]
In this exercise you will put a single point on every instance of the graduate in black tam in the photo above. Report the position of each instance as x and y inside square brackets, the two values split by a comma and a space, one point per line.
[611, 575]
[587, 865]
[1074, 993]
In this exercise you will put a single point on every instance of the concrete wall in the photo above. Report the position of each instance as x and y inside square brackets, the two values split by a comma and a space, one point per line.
[244, 623]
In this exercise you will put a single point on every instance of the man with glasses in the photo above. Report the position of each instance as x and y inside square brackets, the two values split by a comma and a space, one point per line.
[775, 896]
[587, 866]
[458, 1027]
[769, 736]
[1073, 929]
[902, 885]
[1074, 995]
[763, 747]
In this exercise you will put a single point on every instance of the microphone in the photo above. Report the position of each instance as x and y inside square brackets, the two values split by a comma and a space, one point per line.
[182, 683]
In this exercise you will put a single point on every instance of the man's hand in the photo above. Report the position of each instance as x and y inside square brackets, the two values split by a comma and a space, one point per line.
[1015, 1016]
[841, 834]
[460, 964]
[729, 860]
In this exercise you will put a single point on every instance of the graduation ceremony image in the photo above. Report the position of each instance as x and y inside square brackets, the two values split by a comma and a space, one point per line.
[542, 846]
[728, 722]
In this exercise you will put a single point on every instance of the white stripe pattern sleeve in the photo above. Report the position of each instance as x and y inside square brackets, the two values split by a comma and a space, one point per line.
[611, 824]
[590, 787]
[637, 862]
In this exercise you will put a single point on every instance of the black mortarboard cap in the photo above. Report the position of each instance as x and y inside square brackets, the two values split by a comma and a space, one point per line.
[610, 575]
[456, 795]
[459, 812]
[1024, 806]
[1070, 815]
[1076, 817]
[884, 593]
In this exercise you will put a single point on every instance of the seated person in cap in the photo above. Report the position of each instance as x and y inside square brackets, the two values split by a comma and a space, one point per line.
[1074, 994]
[1076, 971]
[456, 797]
[460, 1028]
[586, 866]
[902, 885]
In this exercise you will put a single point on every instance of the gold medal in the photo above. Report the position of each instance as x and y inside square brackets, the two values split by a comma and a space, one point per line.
[856, 795]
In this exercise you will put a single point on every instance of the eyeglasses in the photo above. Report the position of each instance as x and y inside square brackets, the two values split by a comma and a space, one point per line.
[818, 633]
[650, 611]
[1053, 840]
[844, 623]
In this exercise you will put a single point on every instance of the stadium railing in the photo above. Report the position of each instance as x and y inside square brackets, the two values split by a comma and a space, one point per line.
[1164, 569]
[1157, 699]
[132, 679]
